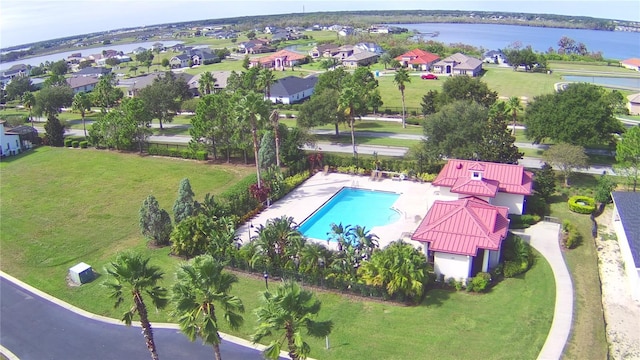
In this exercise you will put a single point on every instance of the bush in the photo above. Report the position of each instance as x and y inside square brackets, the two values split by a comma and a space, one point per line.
[75, 143]
[84, 144]
[570, 235]
[68, 142]
[511, 269]
[201, 155]
[523, 221]
[291, 182]
[582, 204]
[480, 282]
[426, 177]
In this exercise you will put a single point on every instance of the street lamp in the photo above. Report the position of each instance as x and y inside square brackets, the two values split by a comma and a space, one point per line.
[266, 279]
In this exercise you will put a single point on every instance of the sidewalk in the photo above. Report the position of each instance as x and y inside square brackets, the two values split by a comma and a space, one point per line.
[544, 238]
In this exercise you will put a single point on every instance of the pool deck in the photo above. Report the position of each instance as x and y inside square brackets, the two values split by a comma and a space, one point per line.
[309, 196]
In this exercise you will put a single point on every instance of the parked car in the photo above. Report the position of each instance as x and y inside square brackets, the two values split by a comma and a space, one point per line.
[429, 77]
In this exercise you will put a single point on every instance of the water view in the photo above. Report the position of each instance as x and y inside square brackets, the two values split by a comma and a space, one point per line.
[613, 44]
[623, 83]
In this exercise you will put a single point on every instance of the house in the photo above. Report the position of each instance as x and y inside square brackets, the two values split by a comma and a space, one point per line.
[496, 183]
[157, 47]
[82, 83]
[260, 45]
[132, 86]
[92, 71]
[633, 64]
[176, 48]
[458, 64]
[463, 237]
[202, 56]
[347, 31]
[463, 230]
[371, 47]
[179, 61]
[626, 223]
[495, 57]
[9, 142]
[27, 136]
[360, 58]
[342, 52]
[292, 89]
[221, 77]
[16, 70]
[279, 60]
[634, 104]
[418, 59]
[138, 50]
[121, 59]
[319, 50]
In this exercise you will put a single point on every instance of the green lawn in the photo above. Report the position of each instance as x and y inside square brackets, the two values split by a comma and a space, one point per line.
[413, 92]
[587, 339]
[63, 206]
[510, 83]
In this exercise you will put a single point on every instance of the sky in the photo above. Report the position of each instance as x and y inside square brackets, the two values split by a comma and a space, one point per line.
[26, 21]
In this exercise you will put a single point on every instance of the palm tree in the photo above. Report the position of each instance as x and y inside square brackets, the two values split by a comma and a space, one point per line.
[399, 268]
[513, 105]
[366, 242]
[134, 69]
[29, 101]
[82, 103]
[201, 286]
[347, 103]
[401, 78]
[340, 234]
[206, 83]
[131, 275]
[313, 258]
[284, 315]
[254, 108]
[275, 121]
[385, 59]
[280, 242]
[265, 80]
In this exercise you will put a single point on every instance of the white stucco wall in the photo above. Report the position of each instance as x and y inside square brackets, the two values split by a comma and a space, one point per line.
[452, 265]
[633, 273]
[514, 202]
[9, 143]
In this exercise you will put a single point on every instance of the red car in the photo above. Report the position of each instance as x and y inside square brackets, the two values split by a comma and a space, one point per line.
[429, 77]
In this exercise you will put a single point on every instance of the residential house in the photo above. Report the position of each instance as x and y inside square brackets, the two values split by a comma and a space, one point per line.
[179, 61]
[463, 237]
[279, 60]
[319, 51]
[347, 31]
[292, 89]
[176, 48]
[360, 58]
[202, 56]
[497, 184]
[16, 70]
[92, 71]
[626, 223]
[157, 47]
[371, 47]
[132, 86]
[633, 64]
[463, 230]
[9, 143]
[255, 46]
[121, 59]
[138, 50]
[27, 136]
[634, 104]
[495, 57]
[342, 52]
[74, 58]
[82, 83]
[221, 77]
[378, 29]
[458, 64]
[418, 59]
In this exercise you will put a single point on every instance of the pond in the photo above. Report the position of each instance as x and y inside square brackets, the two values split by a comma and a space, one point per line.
[618, 82]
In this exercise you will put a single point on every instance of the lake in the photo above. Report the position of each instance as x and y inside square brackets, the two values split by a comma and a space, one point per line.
[613, 44]
[625, 83]
[125, 48]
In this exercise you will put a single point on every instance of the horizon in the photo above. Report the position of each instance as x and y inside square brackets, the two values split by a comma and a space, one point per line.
[22, 22]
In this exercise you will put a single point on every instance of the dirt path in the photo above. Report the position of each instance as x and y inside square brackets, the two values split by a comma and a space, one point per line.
[621, 313]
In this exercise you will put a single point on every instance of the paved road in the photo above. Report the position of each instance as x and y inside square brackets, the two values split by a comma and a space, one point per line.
[35, 328]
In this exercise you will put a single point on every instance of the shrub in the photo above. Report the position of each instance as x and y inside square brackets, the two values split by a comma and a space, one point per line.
[292, 181]
[426, 177]
[582, 204]
[201, 155]
[68, 142]
[511, 269]
[480, 282]
[570, 235]
[523, 221]
[75, 143]
[84, 144]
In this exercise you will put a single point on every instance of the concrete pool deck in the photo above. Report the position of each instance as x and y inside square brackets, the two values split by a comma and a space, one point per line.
[299, 204]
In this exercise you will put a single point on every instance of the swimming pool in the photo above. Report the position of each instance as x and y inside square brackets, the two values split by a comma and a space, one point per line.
[352, 207]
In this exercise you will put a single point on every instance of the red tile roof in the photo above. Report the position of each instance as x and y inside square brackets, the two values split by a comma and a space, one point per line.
[418, 56]
[469, 186]
[632, 62]
[463, 226]
[512, 179]
[286, 55]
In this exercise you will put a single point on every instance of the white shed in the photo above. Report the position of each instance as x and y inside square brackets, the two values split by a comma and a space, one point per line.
[81, 273]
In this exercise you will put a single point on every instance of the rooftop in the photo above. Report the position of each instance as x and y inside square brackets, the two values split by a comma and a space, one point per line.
[512, 179]
[628, 206]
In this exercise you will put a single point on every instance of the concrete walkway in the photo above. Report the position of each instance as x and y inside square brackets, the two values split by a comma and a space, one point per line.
[544, 238]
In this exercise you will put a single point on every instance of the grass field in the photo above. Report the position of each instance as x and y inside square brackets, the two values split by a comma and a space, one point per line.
[63, 206]
[508, 83]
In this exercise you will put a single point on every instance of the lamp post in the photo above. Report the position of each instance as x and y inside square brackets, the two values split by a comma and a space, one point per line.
[321, 262]
[266, 279]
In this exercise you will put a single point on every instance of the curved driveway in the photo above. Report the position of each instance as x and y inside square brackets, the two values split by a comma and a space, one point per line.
[35, 328]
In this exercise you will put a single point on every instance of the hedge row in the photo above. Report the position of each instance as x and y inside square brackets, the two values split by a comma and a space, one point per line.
[185, 153]
[582, 204]
[523, 221]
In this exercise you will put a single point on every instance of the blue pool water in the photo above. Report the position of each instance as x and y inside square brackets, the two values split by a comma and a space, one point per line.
[351, 207]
